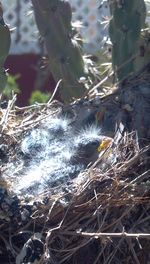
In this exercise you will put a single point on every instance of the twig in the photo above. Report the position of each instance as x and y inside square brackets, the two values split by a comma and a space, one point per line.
[123, 234]
[131, 247]
[55, 90]
[6, 115]
[110, 75]
[99, 84]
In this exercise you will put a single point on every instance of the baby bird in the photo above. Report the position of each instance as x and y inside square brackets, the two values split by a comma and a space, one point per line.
[57, 152]
[86, 146]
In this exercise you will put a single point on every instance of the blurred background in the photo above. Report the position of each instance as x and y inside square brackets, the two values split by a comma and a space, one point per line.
[27, 49]
[25, 64]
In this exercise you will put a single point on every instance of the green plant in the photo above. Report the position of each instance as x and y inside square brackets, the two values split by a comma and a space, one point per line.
[4, 48]
[39, 97]
[53, 18]
[11, 86]
[128, 18]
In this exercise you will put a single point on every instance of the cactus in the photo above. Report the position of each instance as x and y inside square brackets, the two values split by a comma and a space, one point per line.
[128, 18]
[4, 48]
[53, 18]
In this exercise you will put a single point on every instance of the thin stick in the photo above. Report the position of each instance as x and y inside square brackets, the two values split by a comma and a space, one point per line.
[110, 74]
[5, 117]
[100, 83]
[56, 88]
[123, 234]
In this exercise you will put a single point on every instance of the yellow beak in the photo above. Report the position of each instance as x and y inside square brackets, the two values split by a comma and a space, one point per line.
[104, 144]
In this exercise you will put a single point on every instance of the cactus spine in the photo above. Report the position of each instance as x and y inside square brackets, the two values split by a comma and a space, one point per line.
[128, 18]
[4, 48]
[53, 18]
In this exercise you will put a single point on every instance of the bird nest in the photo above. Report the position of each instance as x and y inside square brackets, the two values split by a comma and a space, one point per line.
[101, 216]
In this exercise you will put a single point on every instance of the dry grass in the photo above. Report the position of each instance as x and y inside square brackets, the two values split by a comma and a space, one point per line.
[103, 218]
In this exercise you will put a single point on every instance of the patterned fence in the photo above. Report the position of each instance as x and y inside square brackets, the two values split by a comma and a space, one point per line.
[18, 14]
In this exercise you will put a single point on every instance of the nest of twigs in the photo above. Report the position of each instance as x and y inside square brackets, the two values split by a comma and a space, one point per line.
[103, 218]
